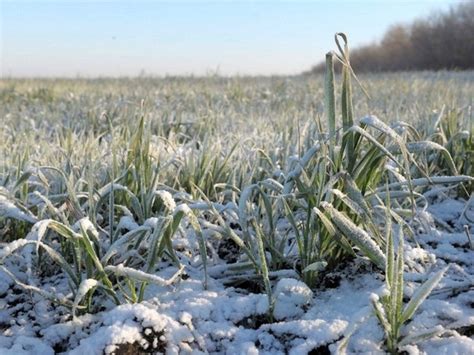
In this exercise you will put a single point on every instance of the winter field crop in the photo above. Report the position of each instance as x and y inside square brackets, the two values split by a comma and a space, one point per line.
[242, 216]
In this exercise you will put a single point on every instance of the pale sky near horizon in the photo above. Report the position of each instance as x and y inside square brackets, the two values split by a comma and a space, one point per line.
[89, 38]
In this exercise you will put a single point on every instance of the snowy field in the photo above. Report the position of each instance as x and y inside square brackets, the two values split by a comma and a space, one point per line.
[237, 216]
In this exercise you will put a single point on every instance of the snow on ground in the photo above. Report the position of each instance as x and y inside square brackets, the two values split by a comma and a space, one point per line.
[186, 318]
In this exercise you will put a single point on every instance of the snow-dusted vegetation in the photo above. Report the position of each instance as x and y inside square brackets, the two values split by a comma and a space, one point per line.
[248, 215]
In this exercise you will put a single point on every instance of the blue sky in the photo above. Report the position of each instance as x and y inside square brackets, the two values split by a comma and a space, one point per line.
[122, 38]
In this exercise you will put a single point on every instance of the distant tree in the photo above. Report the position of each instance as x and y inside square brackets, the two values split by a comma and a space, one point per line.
[442, 41]
[396, 49]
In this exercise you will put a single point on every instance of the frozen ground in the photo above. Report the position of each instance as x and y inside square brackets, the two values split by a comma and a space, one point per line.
[186, 318]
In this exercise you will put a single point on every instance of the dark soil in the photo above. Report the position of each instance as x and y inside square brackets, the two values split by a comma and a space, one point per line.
[228, 251]
[155, 344]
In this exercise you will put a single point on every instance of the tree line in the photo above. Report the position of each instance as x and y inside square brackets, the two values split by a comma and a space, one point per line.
[442, 41]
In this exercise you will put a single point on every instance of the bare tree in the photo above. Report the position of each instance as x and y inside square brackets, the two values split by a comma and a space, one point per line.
[442, 41]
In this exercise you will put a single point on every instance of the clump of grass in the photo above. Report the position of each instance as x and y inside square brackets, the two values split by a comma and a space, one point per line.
[120, 267]
[390, 309]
